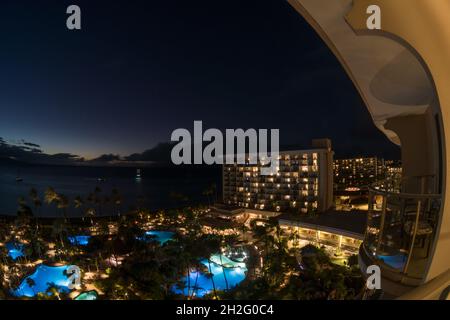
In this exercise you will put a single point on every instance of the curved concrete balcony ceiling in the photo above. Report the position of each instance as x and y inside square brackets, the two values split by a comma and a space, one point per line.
[392, 79]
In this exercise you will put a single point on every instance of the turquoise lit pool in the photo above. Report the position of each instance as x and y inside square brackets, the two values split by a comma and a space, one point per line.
[396, 261]
[15, 250]
[232, 273]
[161, 236]
[40, 281]
[89, 295]
[79, 240]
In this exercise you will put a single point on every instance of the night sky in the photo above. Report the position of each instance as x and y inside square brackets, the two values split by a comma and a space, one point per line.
[140, 69]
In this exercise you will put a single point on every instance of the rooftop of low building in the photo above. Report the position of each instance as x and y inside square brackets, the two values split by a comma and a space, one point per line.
[351, 222]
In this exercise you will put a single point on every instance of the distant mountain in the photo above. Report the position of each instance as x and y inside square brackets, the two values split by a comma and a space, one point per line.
[24, 152]
[9, 161]
[160, 153]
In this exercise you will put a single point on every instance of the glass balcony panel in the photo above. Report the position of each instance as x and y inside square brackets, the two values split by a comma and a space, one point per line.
[401, 225]
[373, 222]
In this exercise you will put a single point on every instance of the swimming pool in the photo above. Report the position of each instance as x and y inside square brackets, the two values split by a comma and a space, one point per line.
[160, 236]
[43, 277]
[397, 261]
[88, 295]
[79, 240]
[235, 273]
[15, 250]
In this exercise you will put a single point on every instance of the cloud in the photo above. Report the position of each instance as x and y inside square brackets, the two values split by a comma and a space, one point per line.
[29, 152]
[30, 144]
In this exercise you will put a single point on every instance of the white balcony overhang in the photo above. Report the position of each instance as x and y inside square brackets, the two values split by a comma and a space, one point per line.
[389, 77]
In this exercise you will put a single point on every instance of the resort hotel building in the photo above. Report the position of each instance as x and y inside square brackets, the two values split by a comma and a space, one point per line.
[303, 182]
[302, 187]
[357, 172]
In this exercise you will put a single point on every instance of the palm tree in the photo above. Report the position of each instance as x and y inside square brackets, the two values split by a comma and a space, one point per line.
[197, 272]
[211, 245]
[63, 204]
[97, 199]
[214, 191]
[50, 196]
[106, 200]
[24, 211]
[37, 205]
[264, 235]
[53, 289]
[31, 284]
[35, 198]
[224, 240]
[244, 229]
[207, 193]
[211, 193]
[294, 237]
[58, 230]
[78, 203]
[90, 213]
[37, 245]
[116, 199]
[140, 202]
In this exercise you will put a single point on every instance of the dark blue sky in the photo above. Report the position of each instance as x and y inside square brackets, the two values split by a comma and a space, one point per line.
[140, 69]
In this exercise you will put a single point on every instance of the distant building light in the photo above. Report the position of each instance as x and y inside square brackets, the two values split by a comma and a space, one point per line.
[353, 189]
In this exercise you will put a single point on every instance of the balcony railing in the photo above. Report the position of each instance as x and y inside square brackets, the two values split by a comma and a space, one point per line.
[401, 227]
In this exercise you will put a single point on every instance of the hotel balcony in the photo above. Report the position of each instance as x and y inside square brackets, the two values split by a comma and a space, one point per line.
[401, 70]
[401, 228]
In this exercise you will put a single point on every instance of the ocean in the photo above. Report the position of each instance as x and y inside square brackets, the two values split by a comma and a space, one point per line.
[158, 188]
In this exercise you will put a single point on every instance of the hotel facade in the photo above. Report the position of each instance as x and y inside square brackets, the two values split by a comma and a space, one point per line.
[357, 172]
[303, 182]
[360, 173]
